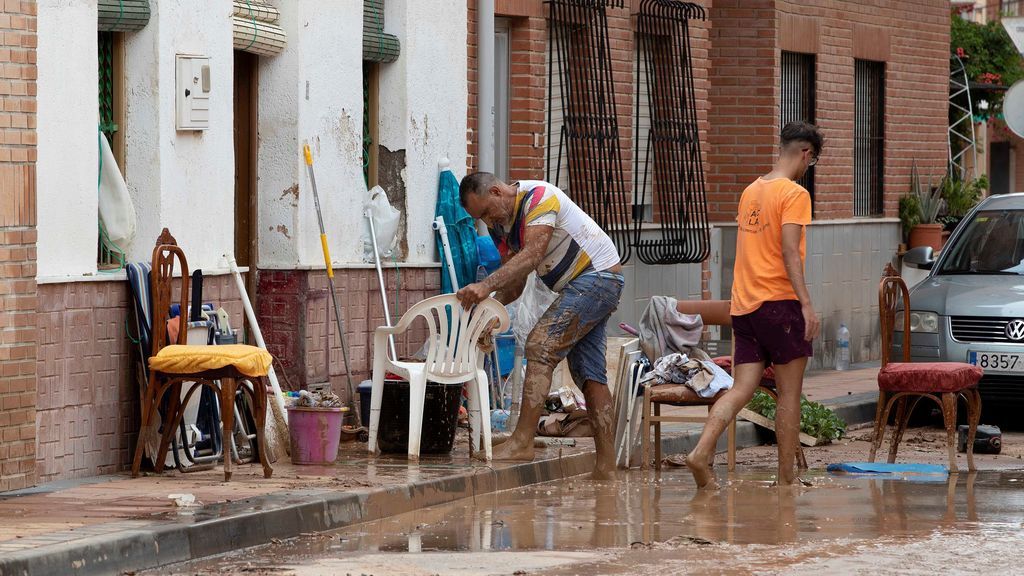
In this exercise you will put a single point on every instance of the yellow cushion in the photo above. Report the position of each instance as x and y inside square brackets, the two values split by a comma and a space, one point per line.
[175, 359]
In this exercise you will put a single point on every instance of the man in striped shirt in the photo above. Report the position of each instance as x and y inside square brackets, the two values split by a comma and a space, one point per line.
[538, 228]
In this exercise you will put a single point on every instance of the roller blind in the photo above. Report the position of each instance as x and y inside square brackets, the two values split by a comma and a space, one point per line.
[377, 46]
[256, 29]
[123, 15]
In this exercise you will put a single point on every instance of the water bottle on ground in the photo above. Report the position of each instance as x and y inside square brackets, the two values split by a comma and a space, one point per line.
[843, 348]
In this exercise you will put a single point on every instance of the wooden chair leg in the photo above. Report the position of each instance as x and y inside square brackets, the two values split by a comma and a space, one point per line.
[147, 416]
[227, 419]
[876, 440]
[949, 400]
[259, 396]
[170, 418]
[657, 436]
[646, 426]
[902, 416]
[973, 397]
[801, 459]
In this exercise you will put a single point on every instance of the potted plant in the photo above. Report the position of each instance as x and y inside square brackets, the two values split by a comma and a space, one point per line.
[927, 231]
[960, 196]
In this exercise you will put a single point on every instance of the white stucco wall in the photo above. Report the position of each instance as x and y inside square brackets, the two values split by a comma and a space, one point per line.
[68, 153]
[183, 181]
[314, 92]
[423, 104]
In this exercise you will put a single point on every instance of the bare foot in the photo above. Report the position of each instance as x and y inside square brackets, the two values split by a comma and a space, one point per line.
[509, 451]
[702, 474]
[603, 471]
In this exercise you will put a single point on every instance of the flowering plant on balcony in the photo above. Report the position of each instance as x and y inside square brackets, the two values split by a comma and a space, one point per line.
[990, 59]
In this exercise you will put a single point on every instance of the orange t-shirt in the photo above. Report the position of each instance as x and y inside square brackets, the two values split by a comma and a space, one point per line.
[760, 272]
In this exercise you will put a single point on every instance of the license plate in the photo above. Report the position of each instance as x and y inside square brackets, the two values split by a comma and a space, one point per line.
[997, 362]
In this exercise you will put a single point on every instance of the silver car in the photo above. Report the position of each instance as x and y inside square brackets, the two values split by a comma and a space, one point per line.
[970, 308]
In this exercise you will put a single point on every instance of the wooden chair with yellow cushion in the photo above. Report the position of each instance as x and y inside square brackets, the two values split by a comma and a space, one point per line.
[222, 368]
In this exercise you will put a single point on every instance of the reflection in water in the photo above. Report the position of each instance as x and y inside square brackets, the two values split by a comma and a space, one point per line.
[657, 513]
[651, 508]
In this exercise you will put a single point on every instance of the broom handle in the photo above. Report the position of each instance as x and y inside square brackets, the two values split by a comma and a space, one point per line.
[250, 316]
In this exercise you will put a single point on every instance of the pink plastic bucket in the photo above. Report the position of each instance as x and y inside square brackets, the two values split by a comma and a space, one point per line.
[315, 434]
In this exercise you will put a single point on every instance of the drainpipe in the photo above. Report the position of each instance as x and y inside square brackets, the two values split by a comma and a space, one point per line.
[485, 84]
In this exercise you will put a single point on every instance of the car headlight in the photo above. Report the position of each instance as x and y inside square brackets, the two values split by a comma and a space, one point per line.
[920, 322]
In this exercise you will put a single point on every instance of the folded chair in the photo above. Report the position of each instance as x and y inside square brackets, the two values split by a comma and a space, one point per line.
[220, 368]
[452, 357]
[713, 313]
[903, 384]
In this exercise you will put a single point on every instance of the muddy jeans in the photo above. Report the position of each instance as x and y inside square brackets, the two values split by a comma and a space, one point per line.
[573, 327]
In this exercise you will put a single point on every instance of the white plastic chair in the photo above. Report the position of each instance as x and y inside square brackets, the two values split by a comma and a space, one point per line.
[452, 360]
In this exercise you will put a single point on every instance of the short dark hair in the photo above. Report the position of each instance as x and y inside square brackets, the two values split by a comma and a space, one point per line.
[476, 183]
[802, 132]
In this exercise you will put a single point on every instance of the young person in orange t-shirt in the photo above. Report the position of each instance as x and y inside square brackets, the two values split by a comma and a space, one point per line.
[773, 321]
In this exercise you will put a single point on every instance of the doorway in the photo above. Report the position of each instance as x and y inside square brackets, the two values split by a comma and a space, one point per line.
[501, 98]
[999, 168]
[246, 141]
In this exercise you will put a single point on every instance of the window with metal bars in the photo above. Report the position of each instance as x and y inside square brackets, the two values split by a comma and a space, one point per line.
[107, 89]
[868, 137]
[111, 111]
[797, 99]
[369, 123]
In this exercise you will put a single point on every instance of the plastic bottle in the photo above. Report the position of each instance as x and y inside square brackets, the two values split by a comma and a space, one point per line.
[843, 348]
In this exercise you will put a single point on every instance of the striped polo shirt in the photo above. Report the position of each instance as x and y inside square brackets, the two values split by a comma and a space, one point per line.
[577, 246]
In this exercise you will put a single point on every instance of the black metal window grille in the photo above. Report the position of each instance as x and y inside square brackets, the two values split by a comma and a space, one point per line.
[797, 98]
[669, 171]
[586, 143]
[868, 137]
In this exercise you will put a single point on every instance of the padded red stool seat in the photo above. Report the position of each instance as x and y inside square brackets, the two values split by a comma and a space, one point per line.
[928, 377]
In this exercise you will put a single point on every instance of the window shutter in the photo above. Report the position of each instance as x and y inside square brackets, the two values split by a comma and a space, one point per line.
[377, 46]
[256, 29]
[122, 15]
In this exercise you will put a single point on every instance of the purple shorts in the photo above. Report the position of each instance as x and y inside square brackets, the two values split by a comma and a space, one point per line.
[773, 334]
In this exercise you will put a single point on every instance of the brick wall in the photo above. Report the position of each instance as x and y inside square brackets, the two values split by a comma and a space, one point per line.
[88, 390]
[529, 79]
[297, 318]
[911, 36]
[17, 243]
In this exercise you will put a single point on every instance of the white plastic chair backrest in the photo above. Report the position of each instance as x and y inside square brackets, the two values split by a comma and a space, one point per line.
[453, 332]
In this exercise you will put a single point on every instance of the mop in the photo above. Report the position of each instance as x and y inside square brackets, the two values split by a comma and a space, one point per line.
[334, 296]
[278, 439]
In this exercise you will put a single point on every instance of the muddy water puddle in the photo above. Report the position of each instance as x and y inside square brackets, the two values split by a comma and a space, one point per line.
[647, 521]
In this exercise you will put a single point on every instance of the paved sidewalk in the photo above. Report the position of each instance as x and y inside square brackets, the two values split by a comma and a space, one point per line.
[114, 523]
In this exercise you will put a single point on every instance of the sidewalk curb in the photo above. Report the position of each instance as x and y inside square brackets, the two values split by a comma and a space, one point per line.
[229, 527]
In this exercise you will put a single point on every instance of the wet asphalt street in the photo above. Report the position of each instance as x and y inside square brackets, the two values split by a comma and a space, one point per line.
[648, 523]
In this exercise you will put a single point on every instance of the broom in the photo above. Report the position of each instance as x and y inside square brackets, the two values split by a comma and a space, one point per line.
[278, 440]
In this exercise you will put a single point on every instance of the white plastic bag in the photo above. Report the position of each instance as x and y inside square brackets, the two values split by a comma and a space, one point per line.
[531, 305]
[115, 204]
[385, 224]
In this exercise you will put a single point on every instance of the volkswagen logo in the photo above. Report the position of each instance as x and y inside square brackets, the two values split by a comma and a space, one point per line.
[1015, 330]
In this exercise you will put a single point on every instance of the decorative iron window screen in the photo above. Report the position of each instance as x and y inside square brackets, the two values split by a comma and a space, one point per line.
[797, 99]
[669, 167]
[580, 83]
[868, 137]
[108, 122]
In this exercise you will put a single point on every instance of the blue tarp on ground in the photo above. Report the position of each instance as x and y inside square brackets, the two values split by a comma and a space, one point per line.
[461, 234]
[885, 471]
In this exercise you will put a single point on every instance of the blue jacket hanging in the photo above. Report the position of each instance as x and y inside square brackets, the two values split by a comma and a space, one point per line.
[461, 234]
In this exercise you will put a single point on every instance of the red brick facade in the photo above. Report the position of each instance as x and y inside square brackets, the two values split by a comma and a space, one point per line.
[297, 319]
[18, 347]
[739, 50]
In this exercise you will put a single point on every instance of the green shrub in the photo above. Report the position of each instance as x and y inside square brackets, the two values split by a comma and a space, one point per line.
[815, 419]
